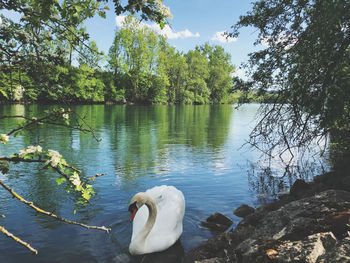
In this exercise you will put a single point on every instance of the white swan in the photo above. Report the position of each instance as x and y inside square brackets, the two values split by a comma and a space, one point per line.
[157, 219]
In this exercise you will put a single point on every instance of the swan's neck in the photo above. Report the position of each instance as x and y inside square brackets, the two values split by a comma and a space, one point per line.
[152, 209]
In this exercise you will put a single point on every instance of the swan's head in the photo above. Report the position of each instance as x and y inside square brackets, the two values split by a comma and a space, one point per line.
[136, 202]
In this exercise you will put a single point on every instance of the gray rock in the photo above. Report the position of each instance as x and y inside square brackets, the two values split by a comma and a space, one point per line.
[299, 188]
[217, 222]
[340, 254]
[306, 250]
[212, 260]
[213, 248]
[243, 211]
[311, 229]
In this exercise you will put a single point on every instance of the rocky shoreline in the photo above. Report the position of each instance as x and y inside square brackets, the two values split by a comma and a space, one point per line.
[310, 224]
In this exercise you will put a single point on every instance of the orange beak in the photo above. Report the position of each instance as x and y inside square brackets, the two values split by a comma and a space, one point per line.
[133, 215]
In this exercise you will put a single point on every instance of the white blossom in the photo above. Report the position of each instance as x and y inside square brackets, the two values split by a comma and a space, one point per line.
[75, 179]
[18, 92]
[55, 158]
[4, 138]
[164, 10]
[30, 149]
[65, 116]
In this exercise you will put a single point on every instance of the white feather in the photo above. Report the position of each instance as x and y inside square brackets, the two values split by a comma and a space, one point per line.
[167, 228]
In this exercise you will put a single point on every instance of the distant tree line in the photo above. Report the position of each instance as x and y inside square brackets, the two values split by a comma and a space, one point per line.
[141, 68]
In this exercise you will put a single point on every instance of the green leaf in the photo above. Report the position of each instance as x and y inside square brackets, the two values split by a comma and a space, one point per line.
[86, 195]
[60, 180]
[4, 94]
[78, 8]
[102, 14]
[61, 166]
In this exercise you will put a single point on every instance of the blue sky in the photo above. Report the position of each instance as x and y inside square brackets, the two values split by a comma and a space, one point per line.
[194, 23]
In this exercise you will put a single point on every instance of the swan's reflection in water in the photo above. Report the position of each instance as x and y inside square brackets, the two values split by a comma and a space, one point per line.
[173, 254]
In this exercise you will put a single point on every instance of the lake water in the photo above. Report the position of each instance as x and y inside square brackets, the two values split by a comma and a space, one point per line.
[194, 148]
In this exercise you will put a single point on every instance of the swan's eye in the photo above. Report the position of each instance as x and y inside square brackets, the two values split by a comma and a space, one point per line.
[132, 207]
[132, 210]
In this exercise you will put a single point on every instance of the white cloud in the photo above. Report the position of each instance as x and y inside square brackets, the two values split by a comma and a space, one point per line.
[171, 34]
[223, 38]
[119, 20]
[240, 73]
[166, 31]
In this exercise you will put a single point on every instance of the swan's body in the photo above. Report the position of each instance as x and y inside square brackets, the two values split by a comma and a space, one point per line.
[157, 218]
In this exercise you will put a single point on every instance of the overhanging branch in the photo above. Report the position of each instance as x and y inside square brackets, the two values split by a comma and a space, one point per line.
[18, 240]
[42, 211]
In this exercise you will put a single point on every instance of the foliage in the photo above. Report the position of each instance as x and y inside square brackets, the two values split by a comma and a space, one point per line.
[132, 55]
[198, 73]
[150, 10]
[241, 97]
[149, 70]
[220, 70]
[40, 52]
[50, 34]
[173, 67]
[306, 63]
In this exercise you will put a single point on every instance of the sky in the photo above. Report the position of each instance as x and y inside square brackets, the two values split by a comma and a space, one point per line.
[194, 22]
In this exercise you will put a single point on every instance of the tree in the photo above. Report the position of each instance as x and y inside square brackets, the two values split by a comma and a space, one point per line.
[178, 74]
[132, 56]
[198, 71]
[45, 36]
[306, 63]
[220, 70]
[91, 56]
[172, 67]
[137, 58]
[51, 33]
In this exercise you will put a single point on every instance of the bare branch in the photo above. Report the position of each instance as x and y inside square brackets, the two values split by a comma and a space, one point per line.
[87, 125]
[17, 239]
[41, 211]
[93, 178]
[51, 119]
